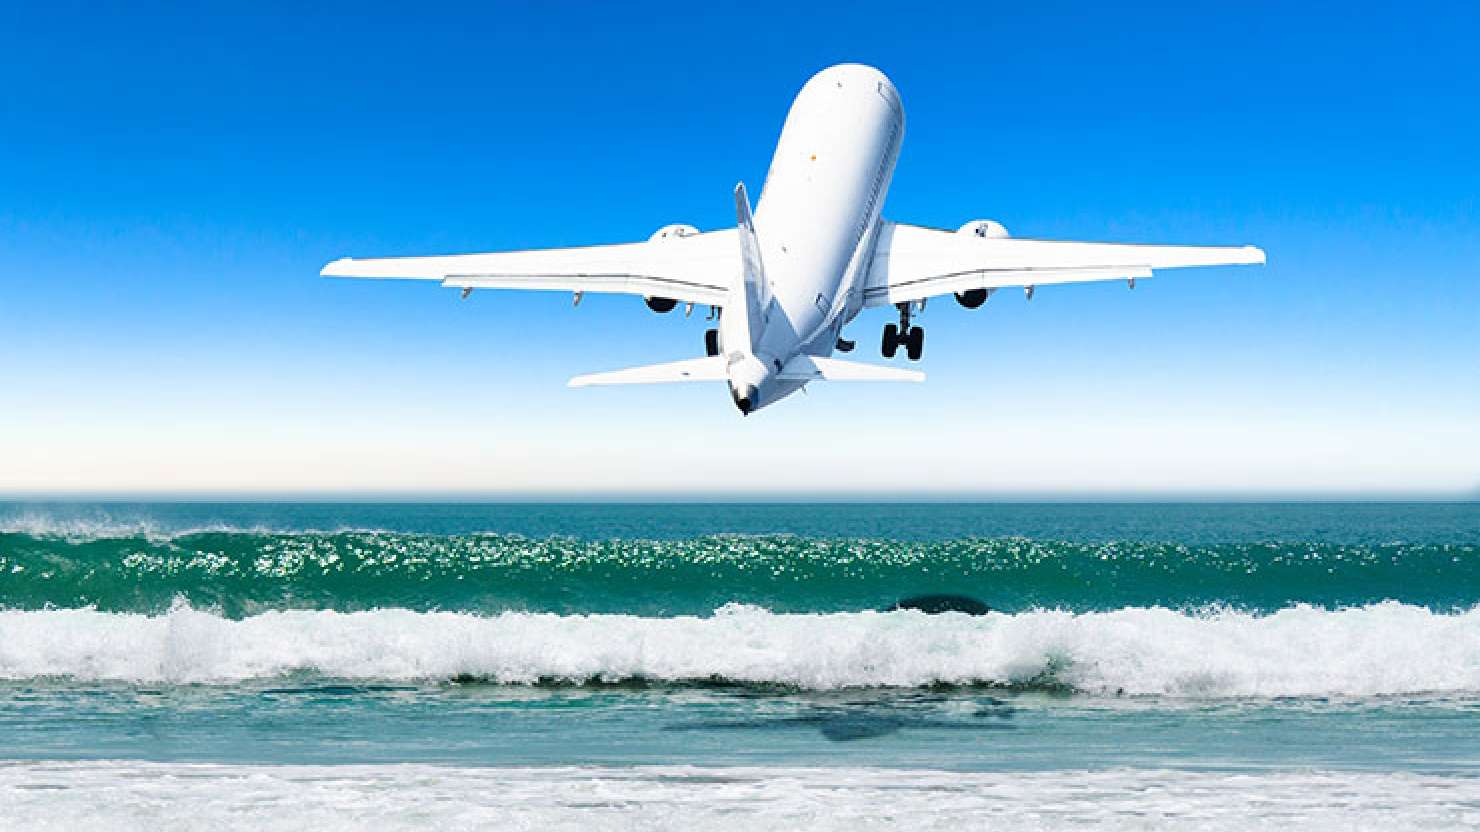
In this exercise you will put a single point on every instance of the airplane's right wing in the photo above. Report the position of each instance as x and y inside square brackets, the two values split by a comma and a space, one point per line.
[697, 268]
[912, 263]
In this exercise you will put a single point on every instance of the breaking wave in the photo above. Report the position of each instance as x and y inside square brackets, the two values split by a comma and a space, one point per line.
[1302, 651]
[137, 567]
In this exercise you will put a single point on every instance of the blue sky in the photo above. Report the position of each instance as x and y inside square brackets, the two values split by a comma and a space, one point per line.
[172, 179]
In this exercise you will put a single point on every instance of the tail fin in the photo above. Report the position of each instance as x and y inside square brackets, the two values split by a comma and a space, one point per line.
[752, 285]
[691, 369]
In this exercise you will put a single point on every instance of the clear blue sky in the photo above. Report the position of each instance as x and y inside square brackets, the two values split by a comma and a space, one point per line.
[172, 179]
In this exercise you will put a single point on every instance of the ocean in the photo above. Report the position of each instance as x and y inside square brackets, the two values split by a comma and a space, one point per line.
[682, 666]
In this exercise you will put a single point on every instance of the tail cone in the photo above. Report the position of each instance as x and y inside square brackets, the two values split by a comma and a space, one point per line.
[746, 401]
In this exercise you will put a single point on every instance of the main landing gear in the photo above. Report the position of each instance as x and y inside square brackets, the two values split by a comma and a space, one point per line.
[912, 338]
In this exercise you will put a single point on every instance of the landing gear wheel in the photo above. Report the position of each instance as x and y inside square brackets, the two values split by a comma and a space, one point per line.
[711, 342]
[891, 340]
[915, 343]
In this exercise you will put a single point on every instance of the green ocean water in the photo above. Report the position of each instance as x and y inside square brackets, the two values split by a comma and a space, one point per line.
[241, 573]
[659, 560]
[1152, 643]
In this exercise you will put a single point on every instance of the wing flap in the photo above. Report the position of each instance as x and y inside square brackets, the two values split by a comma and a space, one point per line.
[621, 284]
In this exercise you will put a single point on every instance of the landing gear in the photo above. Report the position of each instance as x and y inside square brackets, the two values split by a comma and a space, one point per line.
[891, 340]
[711, 342]
[902, 334]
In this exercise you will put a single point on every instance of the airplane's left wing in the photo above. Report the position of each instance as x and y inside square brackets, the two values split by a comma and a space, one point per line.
[913, 263]
[697, 268]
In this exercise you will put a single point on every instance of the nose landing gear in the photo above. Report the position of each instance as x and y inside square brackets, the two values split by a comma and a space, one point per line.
[902, 334]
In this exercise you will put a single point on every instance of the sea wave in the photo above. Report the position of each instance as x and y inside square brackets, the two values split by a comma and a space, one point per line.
[1382, 649]
[241, 572]
[90, 529]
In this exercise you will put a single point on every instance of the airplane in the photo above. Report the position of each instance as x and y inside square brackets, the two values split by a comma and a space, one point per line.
[815, 252]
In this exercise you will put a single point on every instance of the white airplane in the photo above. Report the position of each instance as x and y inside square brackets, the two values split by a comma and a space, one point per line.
[786, 280]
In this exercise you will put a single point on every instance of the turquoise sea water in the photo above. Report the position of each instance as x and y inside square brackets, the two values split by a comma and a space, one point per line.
[1211, 654]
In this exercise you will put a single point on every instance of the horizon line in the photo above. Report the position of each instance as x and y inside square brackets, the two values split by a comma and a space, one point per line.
[754, 498]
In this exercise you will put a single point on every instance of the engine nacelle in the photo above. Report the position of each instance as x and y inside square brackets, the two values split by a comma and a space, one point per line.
[972, 298]
[673, 232]
[987, 229]
[660, 305]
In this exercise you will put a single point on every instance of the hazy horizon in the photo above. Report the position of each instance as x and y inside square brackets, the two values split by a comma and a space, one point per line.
[720, 498]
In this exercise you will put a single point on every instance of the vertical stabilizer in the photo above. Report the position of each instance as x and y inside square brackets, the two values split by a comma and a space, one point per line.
[752, 283]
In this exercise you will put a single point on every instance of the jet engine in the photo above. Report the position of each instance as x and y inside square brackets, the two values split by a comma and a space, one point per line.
[988, 229]
[972, 298]
[672, 232]
[668, 232]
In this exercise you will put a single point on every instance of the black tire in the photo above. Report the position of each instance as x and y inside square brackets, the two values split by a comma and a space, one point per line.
[891, 340]
[915, 343]
[711, 342]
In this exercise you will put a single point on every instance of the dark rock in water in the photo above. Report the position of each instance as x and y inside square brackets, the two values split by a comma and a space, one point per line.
[859, 726]
[935, 604]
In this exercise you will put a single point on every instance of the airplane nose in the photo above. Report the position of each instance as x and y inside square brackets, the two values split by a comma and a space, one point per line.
[744, 400]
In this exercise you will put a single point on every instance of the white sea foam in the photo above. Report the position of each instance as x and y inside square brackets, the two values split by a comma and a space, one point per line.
[102, 527]
[78, 528]
[85, 529]
[161, 797]
[1382, 649]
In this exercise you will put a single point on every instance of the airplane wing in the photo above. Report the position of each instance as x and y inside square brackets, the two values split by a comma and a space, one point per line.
[913, 263]
[698, 268]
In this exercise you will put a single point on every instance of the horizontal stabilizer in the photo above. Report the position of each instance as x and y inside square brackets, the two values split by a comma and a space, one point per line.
[692, 369]
[812, 368]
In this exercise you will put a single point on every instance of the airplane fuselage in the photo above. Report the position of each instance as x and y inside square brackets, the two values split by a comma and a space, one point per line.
[817, 221]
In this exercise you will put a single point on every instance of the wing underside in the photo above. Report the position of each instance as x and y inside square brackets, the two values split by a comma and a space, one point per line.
[913, 263]
[695, 269]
